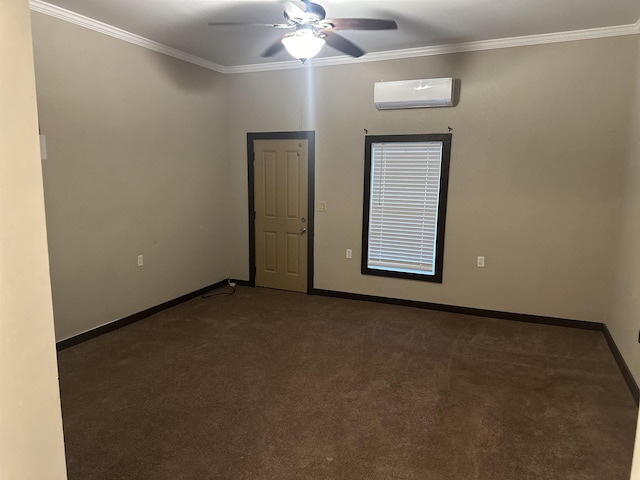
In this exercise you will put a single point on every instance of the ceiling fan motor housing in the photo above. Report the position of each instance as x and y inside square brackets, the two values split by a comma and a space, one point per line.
[315, 12]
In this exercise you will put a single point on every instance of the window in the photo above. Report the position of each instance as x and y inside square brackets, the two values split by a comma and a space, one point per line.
[405, 202]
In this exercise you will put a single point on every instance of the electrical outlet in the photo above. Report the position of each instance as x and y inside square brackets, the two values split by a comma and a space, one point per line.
[349, 253]
[480, 262]
[140, 260]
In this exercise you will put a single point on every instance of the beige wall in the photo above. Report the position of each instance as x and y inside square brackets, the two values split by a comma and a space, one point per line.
[31, 442]
[624, 322]
[136, 165]
[538, 138]
[635, 467]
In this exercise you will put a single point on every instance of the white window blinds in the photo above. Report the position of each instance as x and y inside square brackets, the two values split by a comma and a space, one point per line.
[403, 215]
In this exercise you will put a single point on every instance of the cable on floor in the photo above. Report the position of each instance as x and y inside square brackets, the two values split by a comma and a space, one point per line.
[228, 289]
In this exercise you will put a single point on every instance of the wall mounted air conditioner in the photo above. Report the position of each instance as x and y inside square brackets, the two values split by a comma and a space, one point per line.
[434, 92]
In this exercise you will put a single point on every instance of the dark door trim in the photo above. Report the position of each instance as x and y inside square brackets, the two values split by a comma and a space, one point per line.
[310, 136]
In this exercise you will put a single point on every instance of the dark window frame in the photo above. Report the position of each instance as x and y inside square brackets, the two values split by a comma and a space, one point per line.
[445, 138]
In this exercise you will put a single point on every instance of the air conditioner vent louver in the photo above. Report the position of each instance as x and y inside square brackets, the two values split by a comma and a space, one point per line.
[434, 92]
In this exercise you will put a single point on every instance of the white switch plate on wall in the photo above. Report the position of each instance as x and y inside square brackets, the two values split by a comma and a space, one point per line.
[140, 260]
[481, 262]
[349, 253]
[322, 206]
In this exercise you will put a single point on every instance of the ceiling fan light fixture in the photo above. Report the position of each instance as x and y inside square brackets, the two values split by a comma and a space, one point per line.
[303, 44]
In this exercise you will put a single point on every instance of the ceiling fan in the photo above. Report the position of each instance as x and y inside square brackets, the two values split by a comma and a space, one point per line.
[312, 30]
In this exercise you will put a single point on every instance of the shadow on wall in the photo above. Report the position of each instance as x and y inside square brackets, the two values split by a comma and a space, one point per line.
[189, 77]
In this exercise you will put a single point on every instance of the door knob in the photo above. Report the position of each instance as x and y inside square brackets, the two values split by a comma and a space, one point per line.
[303, 231]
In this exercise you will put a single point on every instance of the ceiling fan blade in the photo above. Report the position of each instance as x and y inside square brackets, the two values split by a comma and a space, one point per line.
[360, 24]
[245, 24]
[273, 49]
[340, 43]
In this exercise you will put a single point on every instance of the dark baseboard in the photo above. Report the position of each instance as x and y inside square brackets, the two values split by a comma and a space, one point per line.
[518, 317]
[123, 322]
[626, 373]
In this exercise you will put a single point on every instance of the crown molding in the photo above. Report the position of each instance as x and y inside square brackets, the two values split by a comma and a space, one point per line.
[545, 38]
[495, 44]
[86, 22]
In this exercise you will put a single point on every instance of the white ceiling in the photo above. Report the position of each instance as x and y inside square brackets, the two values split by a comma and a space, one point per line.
[182, 24]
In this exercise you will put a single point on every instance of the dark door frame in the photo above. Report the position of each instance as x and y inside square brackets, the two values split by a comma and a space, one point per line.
[310, 136]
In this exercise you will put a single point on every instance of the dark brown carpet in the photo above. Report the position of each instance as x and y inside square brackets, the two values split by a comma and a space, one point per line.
[276, 385]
